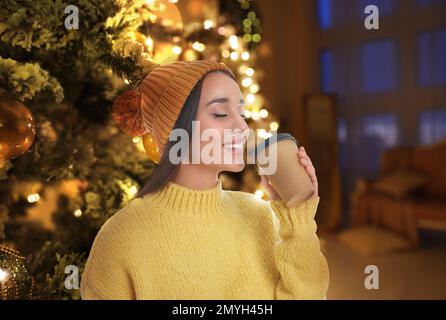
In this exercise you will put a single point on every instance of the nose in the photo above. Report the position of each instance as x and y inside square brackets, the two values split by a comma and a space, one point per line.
[240, 126]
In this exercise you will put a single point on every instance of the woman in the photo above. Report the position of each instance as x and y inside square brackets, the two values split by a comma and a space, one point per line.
[183, 237]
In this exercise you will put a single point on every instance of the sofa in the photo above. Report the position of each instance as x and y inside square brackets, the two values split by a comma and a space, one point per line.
[409, 193]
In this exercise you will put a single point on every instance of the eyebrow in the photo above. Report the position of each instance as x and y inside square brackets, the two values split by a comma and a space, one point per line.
[222, 100]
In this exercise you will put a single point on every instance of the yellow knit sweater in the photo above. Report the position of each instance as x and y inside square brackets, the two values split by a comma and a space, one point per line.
[180, 243]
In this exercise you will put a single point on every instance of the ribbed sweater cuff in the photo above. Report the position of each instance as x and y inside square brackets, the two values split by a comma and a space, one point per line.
[304, 213]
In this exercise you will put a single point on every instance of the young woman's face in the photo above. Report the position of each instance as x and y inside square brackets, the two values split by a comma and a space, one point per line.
[221, 111]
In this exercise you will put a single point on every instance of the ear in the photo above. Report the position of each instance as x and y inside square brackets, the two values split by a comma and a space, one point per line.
[126, 112]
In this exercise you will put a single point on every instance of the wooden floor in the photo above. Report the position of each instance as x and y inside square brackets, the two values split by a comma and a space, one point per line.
[417, 274]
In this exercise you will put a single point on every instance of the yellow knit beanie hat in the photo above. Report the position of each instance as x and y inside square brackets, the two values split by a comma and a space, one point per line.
[156, 106]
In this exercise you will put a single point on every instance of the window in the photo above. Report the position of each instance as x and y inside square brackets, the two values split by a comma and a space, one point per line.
[324, 13]
[432, 126]
[432, 58]
[386, 7]
[424, 3]
[326, 58]
[342, 130]
[332, 13]
[379, 66]
[382, 126]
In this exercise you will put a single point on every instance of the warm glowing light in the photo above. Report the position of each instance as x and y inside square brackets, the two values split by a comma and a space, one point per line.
[126, 81]
[221, 31]
[250, 98]
[256, 37]
[78, 213]
[263, 113]
[190, 55]
[250, 72]
[255, 116]
[254, 88]
[245, 55]
[261, 133]
[242, 69]
[136, 139]
[234, 55]
[149, 42]
[225, 54]
[3, 275]
[173, 1]
[34, 197]
[233, 41]
[259, 194]
[208, 24]
[248, 114]
[198, 46]
[273, 126]
[246, 82]
[177, 50]
[247, 37]
[267, 135]
[132, 191]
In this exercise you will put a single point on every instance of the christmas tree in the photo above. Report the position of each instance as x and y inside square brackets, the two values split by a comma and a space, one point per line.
[65, 167]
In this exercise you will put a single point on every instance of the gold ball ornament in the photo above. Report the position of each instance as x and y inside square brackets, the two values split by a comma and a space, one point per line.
[16, 281]
[151, 148]
[17, 128]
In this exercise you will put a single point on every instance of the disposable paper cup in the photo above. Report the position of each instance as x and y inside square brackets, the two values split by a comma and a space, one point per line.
[290, 179]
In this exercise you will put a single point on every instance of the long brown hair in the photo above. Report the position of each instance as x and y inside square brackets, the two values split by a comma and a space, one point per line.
[165, 171]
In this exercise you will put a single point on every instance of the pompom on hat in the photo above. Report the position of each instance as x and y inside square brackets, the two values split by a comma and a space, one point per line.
[155, 107]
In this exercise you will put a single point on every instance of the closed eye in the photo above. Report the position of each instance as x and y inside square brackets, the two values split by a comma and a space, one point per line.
[219, 115]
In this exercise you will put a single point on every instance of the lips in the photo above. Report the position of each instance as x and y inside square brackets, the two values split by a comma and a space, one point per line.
[235, 144]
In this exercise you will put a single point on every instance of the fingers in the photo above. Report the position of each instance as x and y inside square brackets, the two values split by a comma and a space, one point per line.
[304, 159]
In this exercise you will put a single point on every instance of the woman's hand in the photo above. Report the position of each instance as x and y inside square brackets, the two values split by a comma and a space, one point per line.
[305, 161]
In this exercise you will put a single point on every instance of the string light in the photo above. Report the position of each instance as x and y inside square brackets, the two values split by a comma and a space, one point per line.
[254, 88]
[78, 213]
[225, 54]
[234, 55]
[221, 31]
[246, 82]
[149, 42]
[273, 126]
[136, 139]
[208, 24]
[250, 72]
[250, 98]
[132, 191]
[3, 275]
[245, 55]
[198, 46]
[34, 197]
[259, 194]
[233, 41]
[248, 114]
[242, 69]
[255, 116]
[177, 50]
[261, 133]
[263, 113]
[247, 37]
